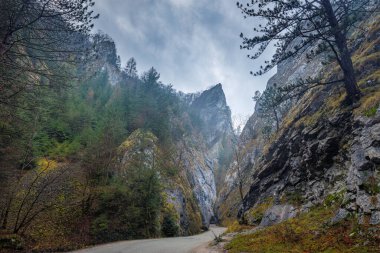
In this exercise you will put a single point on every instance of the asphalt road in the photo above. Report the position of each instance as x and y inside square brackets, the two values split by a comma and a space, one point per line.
[162, 245]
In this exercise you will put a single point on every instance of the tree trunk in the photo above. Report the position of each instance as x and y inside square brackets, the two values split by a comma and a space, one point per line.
[345, 62]
[350, 83]
[5, 217]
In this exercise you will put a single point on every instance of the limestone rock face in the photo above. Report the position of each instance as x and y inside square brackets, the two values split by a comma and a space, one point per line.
[201, 160]
[277, 214]
[363, 179]
[202, 181]
[200, 146]
[141, 148]
[318, 153]
[252, 139]
[294, 68]
[196, 153]
[140, 145]
[199, 173]
[311, 162]
[215, 114]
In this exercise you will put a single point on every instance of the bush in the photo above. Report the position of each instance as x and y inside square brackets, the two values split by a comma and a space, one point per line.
[11, 241]
[371, 112]
[334, 199]
[99, 227]
[169, 226]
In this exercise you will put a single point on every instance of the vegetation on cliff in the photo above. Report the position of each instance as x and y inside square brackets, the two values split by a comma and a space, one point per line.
[76, 131]
[314, 177]
[92, 152]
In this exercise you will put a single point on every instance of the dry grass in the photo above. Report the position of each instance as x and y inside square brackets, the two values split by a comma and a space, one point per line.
[368, 104]
[234, 226]
[309, 232]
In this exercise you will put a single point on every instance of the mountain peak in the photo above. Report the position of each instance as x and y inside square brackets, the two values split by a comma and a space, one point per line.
[217, 86]
[212, 97]
[211, 106]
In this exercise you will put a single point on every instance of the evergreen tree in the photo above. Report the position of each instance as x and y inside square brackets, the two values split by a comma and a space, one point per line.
[169, 226]
[130, 69]
[292, 26]
[151, 76]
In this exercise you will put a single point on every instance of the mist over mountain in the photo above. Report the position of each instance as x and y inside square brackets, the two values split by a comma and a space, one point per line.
[95, 150]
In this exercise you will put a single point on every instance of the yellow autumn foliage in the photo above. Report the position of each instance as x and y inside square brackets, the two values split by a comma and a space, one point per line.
[46, 165]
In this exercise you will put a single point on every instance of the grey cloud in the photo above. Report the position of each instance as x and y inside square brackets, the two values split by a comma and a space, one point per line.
[192, 43]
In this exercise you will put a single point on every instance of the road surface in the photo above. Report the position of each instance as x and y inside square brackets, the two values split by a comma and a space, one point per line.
[162, 245]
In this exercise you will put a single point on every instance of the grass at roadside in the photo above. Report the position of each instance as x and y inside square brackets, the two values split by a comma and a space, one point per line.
[310, 232]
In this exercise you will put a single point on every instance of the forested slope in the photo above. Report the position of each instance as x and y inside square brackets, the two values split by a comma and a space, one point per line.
[94, 152]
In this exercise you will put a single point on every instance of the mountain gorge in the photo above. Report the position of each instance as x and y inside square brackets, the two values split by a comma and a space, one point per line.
[93, 151]
[137, 159]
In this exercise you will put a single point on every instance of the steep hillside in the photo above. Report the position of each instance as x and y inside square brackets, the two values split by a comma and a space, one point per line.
[325, 153]
[200, 149]
[188, 159]
[214, 114]
[212, 108]
[111, 157]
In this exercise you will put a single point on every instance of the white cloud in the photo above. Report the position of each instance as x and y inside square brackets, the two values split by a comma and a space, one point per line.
[126, 27]
[182, 3]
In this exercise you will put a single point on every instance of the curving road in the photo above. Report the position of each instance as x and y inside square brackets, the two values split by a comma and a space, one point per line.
[162, 245]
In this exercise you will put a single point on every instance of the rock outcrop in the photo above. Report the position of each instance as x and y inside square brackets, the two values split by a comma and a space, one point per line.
[212, 108]
[277, 213]
[208, 137]
[323, 151]
[207, 129]
[202, 159]
[310, 162]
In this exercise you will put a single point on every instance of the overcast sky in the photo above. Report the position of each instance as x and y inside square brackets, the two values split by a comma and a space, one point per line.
[193, 44]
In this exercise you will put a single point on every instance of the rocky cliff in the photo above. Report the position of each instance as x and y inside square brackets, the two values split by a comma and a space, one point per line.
[203, 147]
[212, 108]
[205, 140]
[201, 135]
[323, 151]
[201, 131]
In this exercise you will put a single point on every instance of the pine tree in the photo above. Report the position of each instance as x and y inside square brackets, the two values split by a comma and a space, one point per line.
[151, 76]
[292, 26]
[130, 69]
